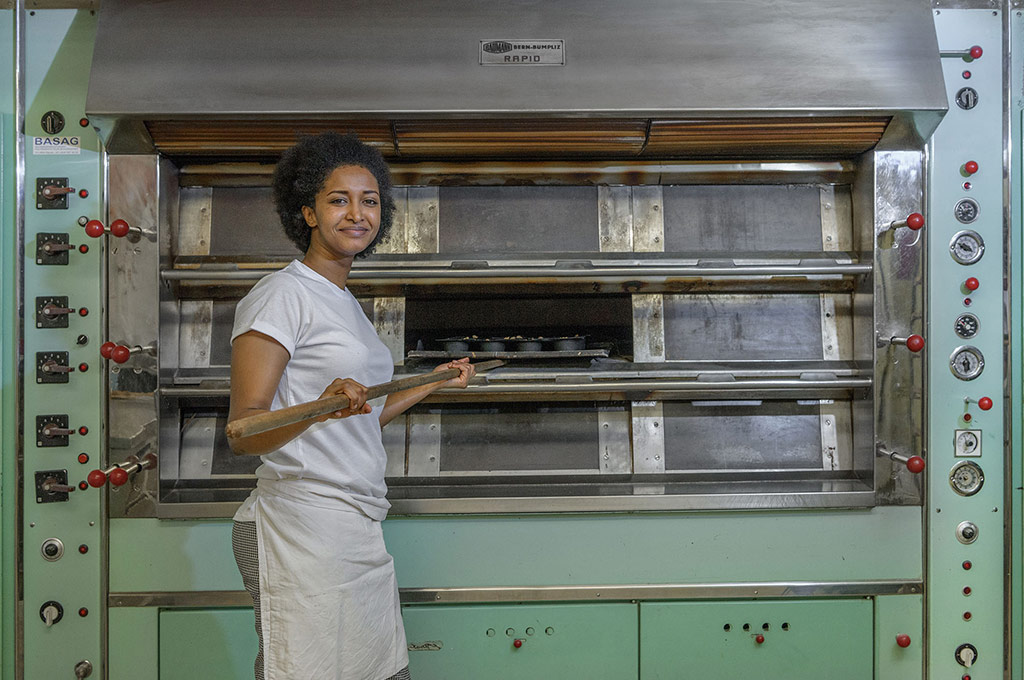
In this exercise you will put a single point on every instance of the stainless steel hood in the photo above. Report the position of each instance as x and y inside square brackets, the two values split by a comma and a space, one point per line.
[605, 78]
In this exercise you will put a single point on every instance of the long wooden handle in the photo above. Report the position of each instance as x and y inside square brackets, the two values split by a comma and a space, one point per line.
[250, 425]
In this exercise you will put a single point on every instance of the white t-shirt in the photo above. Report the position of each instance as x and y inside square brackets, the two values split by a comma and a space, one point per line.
[327, 336]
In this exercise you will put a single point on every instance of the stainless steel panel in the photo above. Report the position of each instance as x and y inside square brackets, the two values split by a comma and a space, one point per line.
[648, 328]
[742, 219]
[742, 435]
[389, 322]
[620, 58]
[424, 444]
[648, 436]
[613, 441]
[422, 226]
[648, 219]
[614, 218]
[742, 327]
[896, 181]
[195, 221]
[530, 219]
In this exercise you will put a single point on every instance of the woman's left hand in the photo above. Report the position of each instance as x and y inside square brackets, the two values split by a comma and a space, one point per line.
[466, 372]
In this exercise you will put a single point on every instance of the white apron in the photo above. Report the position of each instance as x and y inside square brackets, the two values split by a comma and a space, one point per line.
[329, 598]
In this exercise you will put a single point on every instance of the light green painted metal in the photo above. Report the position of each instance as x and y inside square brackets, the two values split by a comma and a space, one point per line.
[883, 543]
[133, 634]
[58, 49]
[1016, 283]
[802, 640]
[594, 641]
[8, 347]
[212, 643]
[899, 615]
[963, 135]
[162, 555]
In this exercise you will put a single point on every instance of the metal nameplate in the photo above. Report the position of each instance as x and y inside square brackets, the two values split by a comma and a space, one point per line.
[522, 52]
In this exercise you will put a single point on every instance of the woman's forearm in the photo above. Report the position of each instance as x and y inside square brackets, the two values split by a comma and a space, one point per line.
[269, 441]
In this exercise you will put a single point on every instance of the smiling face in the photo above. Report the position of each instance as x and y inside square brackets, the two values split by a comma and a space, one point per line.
[346, 215]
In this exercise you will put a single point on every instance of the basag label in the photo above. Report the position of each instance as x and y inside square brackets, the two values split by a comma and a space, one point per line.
[56, 146]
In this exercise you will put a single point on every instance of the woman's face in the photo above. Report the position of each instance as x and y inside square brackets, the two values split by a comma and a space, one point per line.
[346, 216]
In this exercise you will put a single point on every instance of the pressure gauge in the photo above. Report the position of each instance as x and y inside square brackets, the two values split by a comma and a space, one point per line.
[967, 444]
[967, 246]
[966, 478]
[966, 326]
[966, 210]
[966, 362]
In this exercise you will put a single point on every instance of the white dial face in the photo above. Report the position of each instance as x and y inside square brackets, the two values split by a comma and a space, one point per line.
[967, 247]
[966, 478]
[967, 443]
[966, 362]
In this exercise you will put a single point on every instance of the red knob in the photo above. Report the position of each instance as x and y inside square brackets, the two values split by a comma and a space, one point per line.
[94, 228]
[107, 349]
[903, 640]
[972, 283]
[759, 639]
[119, 228]
[118, 476]
[916, 465]
[976, 52]
[517, 643]
[120, 354]
[915, 343]
[97, 478]
[971, 167]
[915, 221]
[984, 403]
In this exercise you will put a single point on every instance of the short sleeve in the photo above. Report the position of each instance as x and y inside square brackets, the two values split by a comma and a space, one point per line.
[273, 307]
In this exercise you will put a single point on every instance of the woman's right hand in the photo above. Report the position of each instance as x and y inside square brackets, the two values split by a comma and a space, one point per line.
[356, 394]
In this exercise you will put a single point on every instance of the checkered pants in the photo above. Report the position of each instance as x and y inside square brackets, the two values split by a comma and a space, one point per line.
[243, 542]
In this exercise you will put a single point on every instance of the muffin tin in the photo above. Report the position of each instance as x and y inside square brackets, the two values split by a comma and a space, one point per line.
[511, 347]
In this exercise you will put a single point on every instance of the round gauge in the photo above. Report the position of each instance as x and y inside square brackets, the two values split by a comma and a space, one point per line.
[967, 246]
[966, 326]
[966, 478]
[966, 210]
[966, 443]
[966, 362]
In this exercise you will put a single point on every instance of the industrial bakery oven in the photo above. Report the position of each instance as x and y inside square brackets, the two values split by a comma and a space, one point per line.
[699, 308]
[678, 335]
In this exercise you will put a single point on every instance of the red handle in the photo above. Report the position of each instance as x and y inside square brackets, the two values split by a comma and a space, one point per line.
[903, 640]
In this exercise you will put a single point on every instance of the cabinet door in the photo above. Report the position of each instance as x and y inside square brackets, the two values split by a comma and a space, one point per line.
[207, 643]
[767, 640]
[593, 641]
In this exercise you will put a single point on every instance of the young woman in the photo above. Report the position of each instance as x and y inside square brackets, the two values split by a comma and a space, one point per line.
[308, 540]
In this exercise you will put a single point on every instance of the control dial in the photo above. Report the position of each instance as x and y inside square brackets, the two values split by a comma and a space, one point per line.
[967, 246]
[966, 210]
[52, 549]
[966, 362]
[966, 326]
[966, 478]
[967, 532]
[966, 654]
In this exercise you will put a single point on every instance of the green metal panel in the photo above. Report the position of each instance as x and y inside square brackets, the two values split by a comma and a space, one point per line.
[966, 134]
[883, 543]
[58, 48]
[212, 643]
[8, 346]
[802, 640]
[899, 615]
[159, 555]
[133, 634]
[594, 641]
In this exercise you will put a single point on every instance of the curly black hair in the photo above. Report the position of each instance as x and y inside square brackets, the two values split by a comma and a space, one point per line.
[303, 170]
